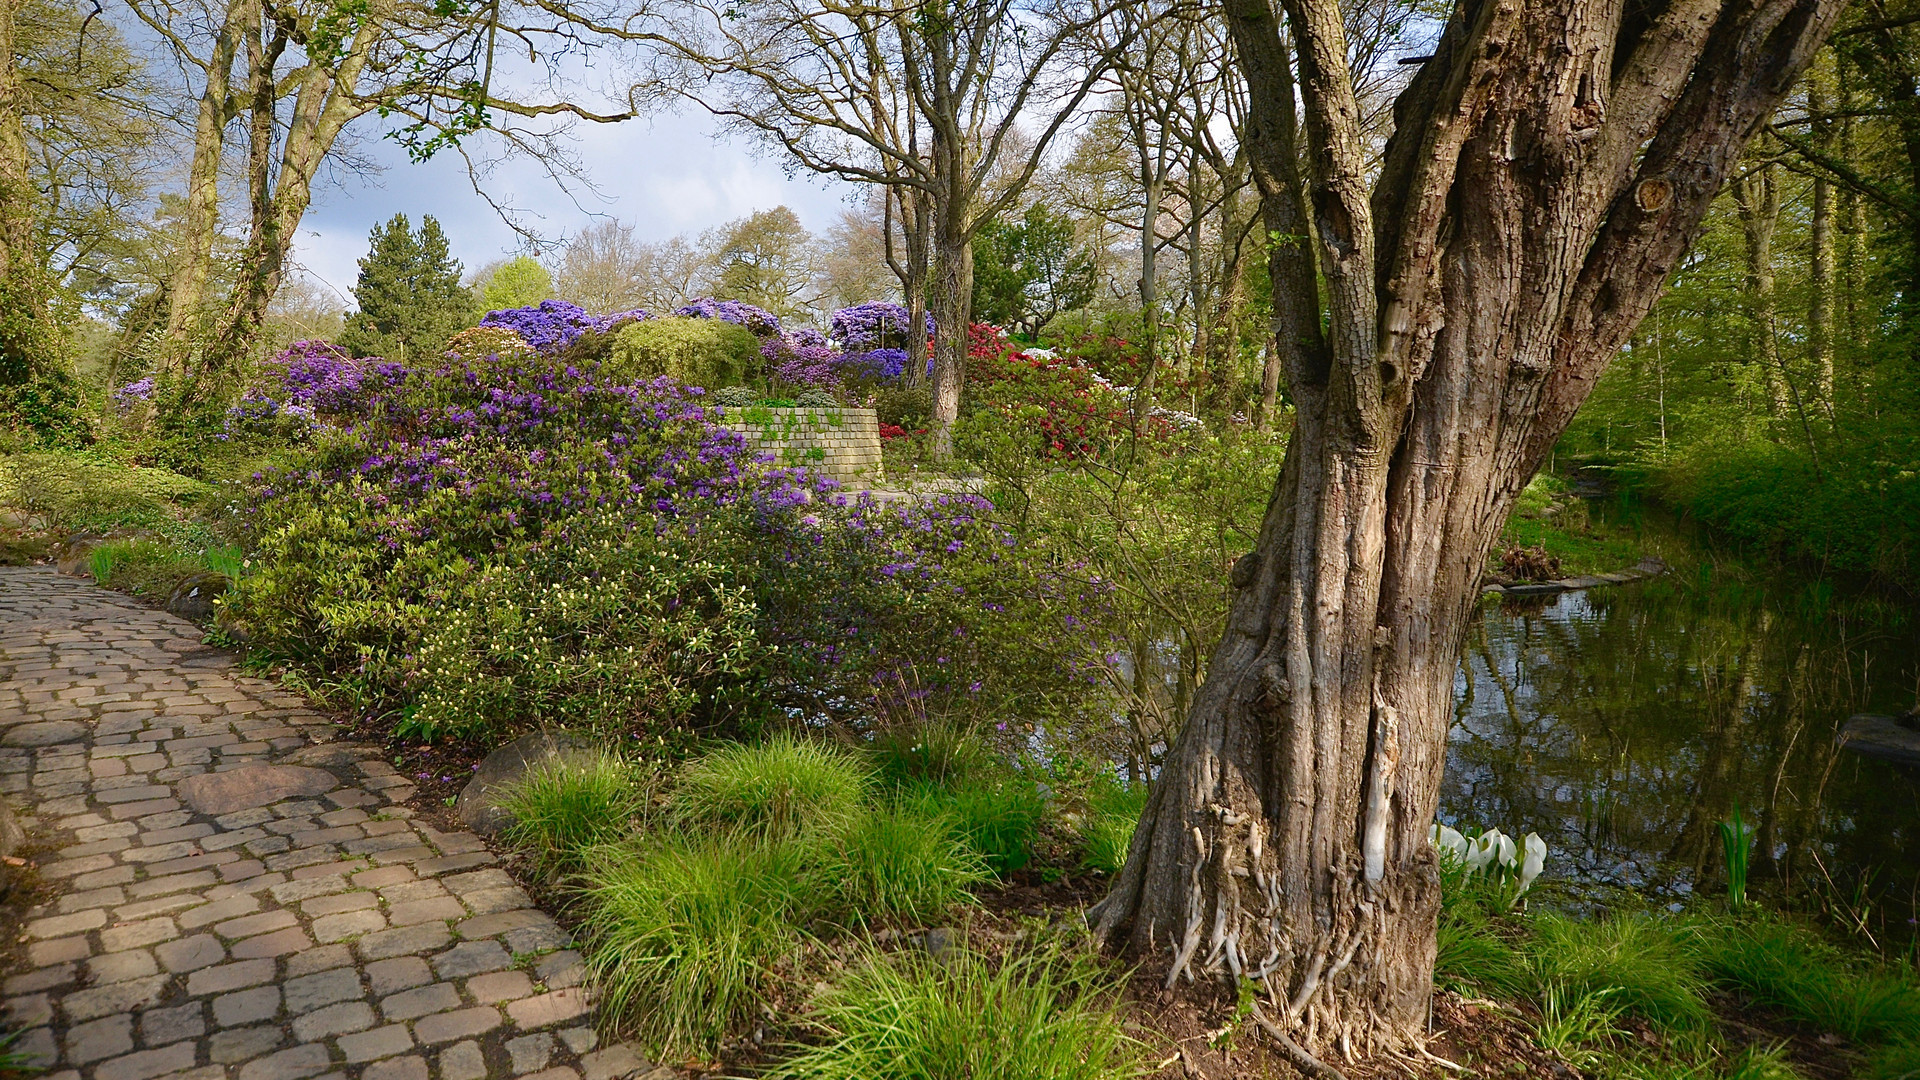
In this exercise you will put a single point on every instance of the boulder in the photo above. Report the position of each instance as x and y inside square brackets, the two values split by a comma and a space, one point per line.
[193, 597]
[479, 803]
[1885, 737]
[74, 556]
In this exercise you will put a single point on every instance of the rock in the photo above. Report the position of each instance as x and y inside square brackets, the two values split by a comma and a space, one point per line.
[220, 793]
[478, 805]
[75, 554]
[939, 942]
[193, 598]
[44, 733]
[1883, 737]
[1536, 588]
[12, 836]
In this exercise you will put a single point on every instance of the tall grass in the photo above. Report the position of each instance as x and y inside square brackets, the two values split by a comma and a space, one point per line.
[926, 753]
[898, 862]
[1639, 963]
[682, 934]
[995, 814]
[148, 567]
[1113, 809]
[1040, 1015]
[1787, 967]
[776, 787]
[569, 806]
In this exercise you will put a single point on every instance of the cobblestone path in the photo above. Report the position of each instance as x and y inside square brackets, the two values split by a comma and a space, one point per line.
[238, 896]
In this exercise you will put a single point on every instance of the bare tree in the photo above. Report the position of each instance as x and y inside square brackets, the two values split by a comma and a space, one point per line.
[601, 268]
[1549, 165]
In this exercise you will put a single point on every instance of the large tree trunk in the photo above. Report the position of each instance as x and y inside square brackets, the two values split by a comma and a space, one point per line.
[200, 221]
[26, 333]
[1550, 165]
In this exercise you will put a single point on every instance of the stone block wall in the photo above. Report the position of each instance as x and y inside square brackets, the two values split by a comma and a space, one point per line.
[843, 443]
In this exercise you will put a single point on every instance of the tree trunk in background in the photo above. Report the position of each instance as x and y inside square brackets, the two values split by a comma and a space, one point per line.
[1528, 210]
[916, 224]
[952, 315]
[200, 222]
[1757, 198]
[27, 335]
[1820, 304]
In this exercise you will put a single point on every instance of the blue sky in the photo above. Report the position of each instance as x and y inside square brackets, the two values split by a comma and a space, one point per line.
[665, 175]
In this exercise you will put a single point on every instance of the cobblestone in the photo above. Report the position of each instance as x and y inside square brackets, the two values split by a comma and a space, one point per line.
[251, 944]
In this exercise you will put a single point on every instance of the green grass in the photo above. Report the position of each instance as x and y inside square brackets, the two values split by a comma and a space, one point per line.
[569, 806]
[1113, 809]
[1040, 1015]
[926, 754]
[775, 787]
[898, 862]
[154, 568]
[683, 934]
[996, 814]
[1787, 967]
[1641, 964]
[1583, 545]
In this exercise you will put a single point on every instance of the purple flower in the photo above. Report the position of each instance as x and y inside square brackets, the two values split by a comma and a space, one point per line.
[553, 325]
[762, 322]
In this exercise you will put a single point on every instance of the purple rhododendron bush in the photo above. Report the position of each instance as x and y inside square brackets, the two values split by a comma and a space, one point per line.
[501, 539]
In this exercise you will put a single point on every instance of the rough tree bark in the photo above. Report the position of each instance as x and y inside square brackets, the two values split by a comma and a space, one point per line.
[200, 220]
[1550, 164]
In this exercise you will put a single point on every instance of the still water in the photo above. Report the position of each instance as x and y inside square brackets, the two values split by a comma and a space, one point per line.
[1623, 724]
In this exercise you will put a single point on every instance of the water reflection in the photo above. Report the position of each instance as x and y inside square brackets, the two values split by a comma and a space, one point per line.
[1623, 724]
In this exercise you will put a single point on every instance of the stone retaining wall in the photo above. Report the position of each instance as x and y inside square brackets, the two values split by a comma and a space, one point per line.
[843, 443]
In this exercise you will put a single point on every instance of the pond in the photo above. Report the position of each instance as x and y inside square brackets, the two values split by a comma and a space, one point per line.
[1624, 723]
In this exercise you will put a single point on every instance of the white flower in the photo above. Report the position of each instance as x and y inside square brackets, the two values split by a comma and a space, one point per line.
[1492, 848]
[1448, 838]
[1535, 861]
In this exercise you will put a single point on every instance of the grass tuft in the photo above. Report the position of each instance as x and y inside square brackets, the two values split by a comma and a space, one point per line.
[1113, 809]
[926, 753]
[776, 788]
[1639, 965]
[1042, 1015]
[995, 815]
[569, 806]
[1789, 968]
[898, 862]
[682, 934]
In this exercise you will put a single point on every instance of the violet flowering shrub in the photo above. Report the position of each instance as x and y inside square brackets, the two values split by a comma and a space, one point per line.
[498, 542]
[875, 325]
[553, 325]
[762, 322]
[140, 389]
[802, 358]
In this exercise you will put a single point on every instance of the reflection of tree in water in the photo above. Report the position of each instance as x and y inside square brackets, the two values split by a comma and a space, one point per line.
[1625, 723]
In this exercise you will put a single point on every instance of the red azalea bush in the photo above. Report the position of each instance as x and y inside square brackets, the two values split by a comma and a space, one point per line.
[1073, 409]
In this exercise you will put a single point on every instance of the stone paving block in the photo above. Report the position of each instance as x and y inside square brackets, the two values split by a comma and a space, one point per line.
[548, 1009]
[341, 1019]
[147, 1064]
[463, 1061]
[348, 924]
[246, 1006]
[307, 888]
[408, 1004]
[205, 914]
[309, 992]
[499, 986]
[134, 935]
[411, 1067]
[243, 1044]
[232, 976]
[558, 1072]
[249, 925]
[106, 1037]
[158, 1027]
[472, 958]
[493, 901]
[463, 1024]
[121, 966]
[530, 1053]
[42, 953]
[400, 973]
[278, 943]
[293, 1063]
[580, 1040]
[47, 978]
[126, 996]
[401, 941]
[318, 959]
[561, 969]
[338, 903]
[191, 954]
[38, 1050]
[62, 925]
[378, 1043]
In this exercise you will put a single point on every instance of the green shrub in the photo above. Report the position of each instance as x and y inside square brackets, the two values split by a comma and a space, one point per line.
[1041, 1015]
[1637, 964]
[568, 806]
[683, 934]
[775, 788]
[898, 862]
[909, 407]
[700, 352]
[154, 568]
[86, 492]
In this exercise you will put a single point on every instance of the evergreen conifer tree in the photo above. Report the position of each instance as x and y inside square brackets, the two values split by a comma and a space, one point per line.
[411, 299]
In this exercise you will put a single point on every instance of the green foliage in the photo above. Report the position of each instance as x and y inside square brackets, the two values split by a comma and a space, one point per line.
[906, 406]
[1047, 1014]
[409, 291]
[996, 814]
[899, 862]
[518, 282]
[773, 788]
[763, 260]
[154, 568]
[1027, 272]
[569, 806]
[683, 933]
[84, 492]
[1736, 841]
[1785, 966]
[1641, 965]
[1113, 809]
[929, 753]
[712, 353]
